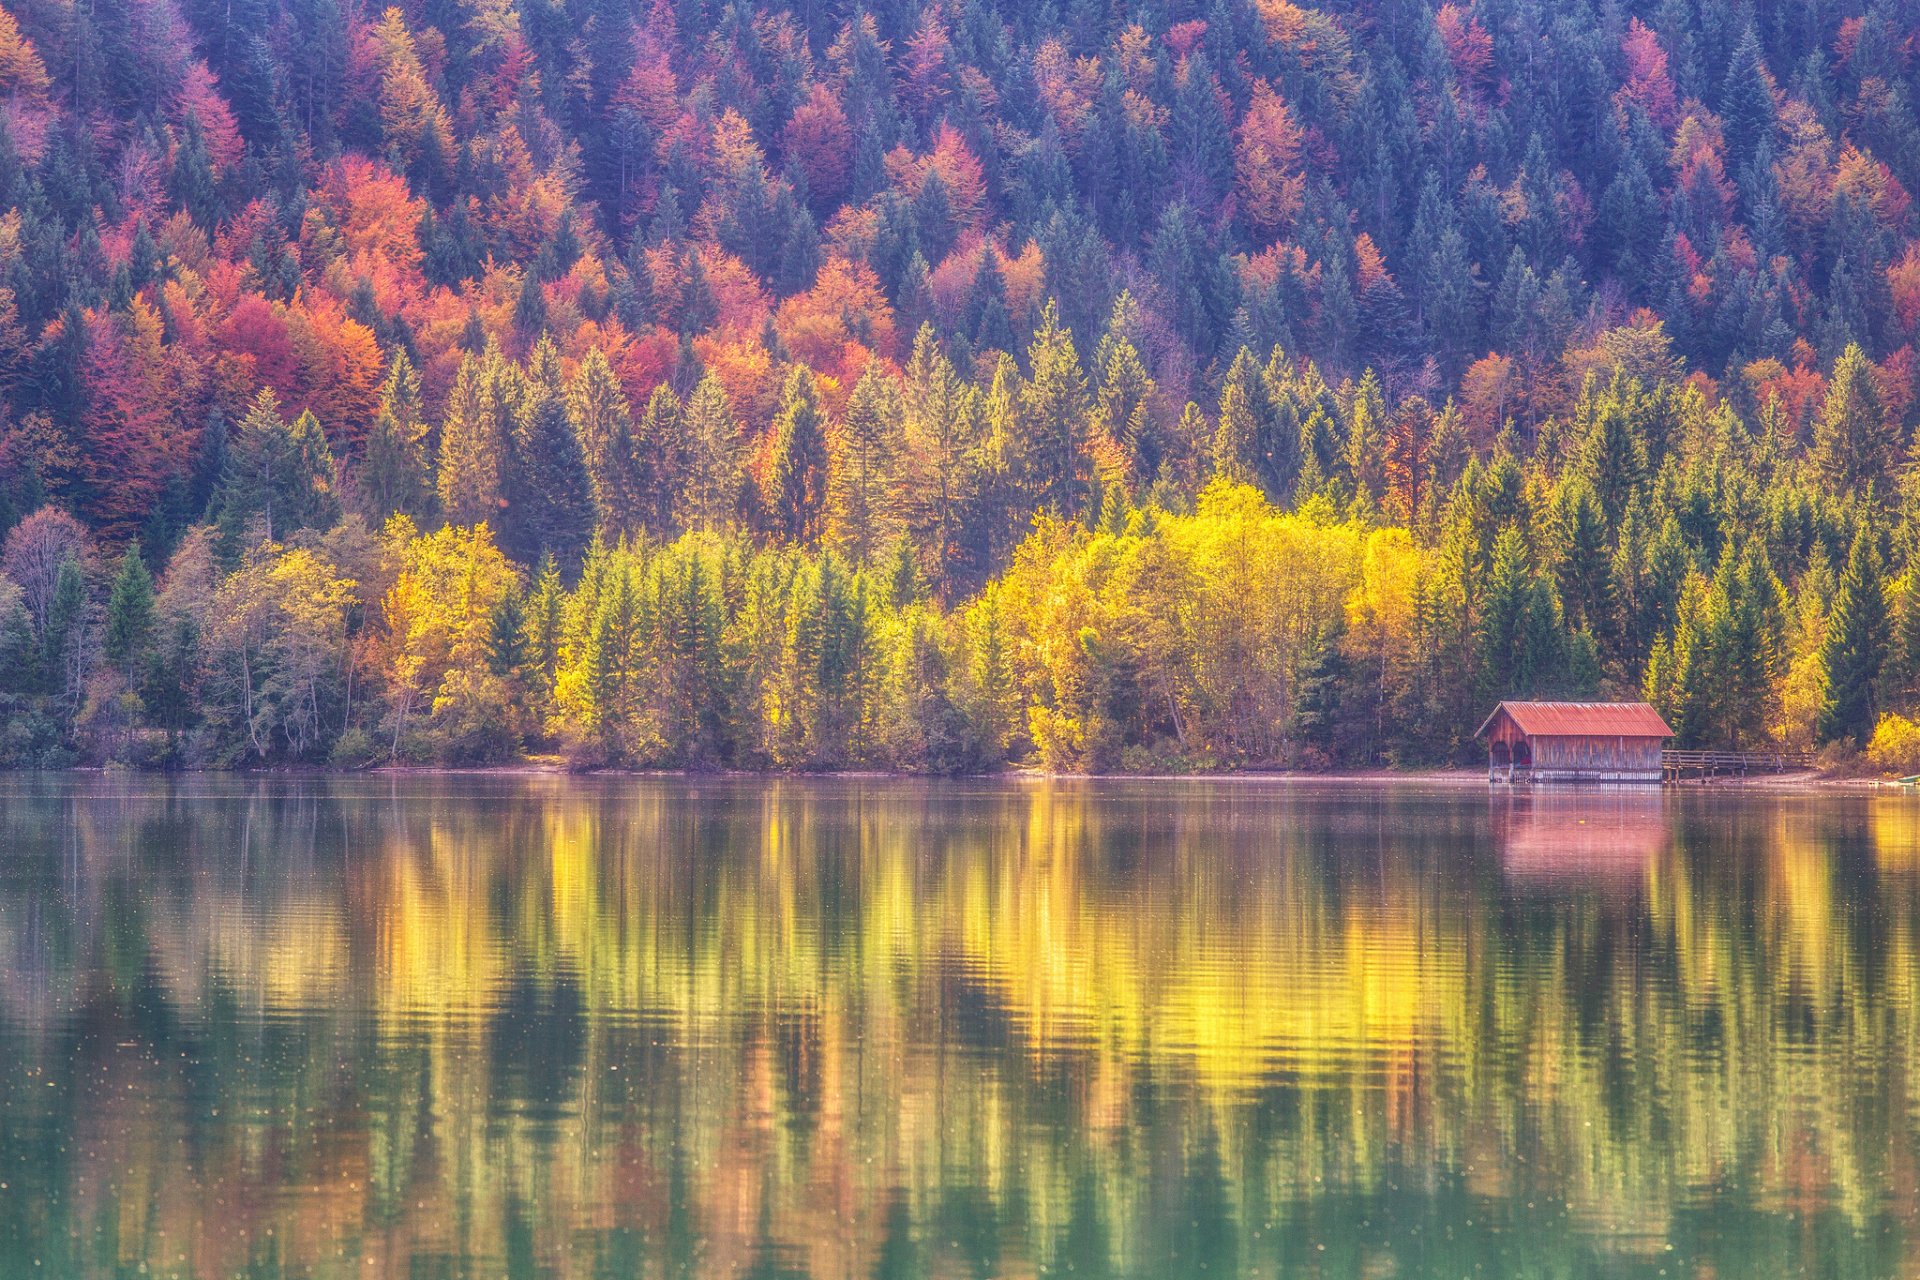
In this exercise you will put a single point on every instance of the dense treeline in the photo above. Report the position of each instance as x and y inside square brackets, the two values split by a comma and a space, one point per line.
[939, 385]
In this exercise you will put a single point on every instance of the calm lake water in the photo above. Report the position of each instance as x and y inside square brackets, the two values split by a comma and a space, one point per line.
[440, 1027]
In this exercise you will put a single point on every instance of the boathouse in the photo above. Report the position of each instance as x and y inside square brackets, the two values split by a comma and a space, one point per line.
[1574, 742]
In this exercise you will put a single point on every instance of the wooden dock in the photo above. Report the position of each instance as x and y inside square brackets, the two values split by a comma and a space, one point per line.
[1684, 766]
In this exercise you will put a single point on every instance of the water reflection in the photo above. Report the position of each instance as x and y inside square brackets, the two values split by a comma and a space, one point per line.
[1562, 838]
[675, 1028]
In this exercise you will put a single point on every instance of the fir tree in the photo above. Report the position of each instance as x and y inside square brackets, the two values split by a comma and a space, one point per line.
[549, 506]
[796, 485]
[128, 638]
[279, 477]
[1856, 645]
[1054, 410]
[394, 473]
[603, 424]
[471, 449]
[1854, 440]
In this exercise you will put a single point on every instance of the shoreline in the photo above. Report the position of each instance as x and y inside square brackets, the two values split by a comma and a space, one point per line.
[1805, 780]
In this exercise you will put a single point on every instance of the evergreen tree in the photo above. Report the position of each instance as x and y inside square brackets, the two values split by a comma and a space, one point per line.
[796, 484]
[471, 449]
[549, 507]
[1237, 443]
[279, 477]
[1854, 440]
[711, 496]
[603, 424]
[1746, 103]
[128, 638]
[1857, 633]
[659, 460]
[1054, 407]
[861, 517]
[394, 473]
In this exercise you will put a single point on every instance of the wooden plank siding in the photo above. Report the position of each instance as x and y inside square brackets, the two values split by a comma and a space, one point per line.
[1563, 742]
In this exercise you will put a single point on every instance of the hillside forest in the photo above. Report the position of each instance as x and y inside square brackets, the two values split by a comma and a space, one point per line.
[942, 385]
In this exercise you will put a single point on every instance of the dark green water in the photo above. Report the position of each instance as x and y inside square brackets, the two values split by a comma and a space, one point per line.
[440, 1027]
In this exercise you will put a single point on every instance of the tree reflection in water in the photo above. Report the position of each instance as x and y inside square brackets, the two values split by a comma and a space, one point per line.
[846, 1028]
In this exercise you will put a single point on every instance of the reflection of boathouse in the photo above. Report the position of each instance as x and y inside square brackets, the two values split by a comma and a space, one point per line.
[1555, 837]
[1574, 742]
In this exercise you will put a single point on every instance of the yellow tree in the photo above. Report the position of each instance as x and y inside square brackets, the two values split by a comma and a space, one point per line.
[418, 132]
[437, 621]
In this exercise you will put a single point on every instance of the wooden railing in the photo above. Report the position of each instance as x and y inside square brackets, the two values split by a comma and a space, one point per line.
[1677, 766]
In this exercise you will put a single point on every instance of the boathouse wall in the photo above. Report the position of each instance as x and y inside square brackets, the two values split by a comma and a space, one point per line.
[1574, 742]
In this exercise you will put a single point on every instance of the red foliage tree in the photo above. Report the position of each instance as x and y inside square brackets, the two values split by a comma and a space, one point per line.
[820, 142]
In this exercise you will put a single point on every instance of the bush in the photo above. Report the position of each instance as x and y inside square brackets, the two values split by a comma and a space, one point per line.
[1896, 745]
[356, 749]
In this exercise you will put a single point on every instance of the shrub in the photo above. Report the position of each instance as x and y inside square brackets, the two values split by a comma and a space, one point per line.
[1895, 747]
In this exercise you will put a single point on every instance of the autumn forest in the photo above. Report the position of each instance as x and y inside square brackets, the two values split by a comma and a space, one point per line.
[937, 385]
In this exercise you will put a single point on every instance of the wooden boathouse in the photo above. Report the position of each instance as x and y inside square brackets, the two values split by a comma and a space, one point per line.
[1574, 742]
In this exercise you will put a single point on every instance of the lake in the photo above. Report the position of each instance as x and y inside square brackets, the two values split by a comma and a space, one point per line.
[538, 1026]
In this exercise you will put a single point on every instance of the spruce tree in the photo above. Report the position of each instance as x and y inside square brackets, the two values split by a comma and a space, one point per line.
[861, 514]
[1237, 451]
[1055, 407]
[659, 460]
[796, 485]
[279, 477]
[1854, 438]
[603, 423]
[1746, 103]
[711, 496]
[1856, 644]
[128, 637]
[549, 494]
[471, 449]
[395, 473]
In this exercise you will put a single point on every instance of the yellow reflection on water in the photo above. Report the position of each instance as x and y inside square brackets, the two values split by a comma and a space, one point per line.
[821, 1026]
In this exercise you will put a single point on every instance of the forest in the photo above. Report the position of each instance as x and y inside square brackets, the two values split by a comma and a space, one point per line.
[951, 385]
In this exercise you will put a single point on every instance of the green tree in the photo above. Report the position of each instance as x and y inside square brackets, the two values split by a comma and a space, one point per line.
[395, 473]
[711, 496]
[1856, 645]
[468, 477]
[279, 477]
[659, 460]
[796, 483]
[862, 517]
[127, 640]
[1854, 438]
[1055, 408]
[549, 506]
[603, 423]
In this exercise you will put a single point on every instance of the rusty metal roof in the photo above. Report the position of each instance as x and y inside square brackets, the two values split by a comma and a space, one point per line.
[1577, 719]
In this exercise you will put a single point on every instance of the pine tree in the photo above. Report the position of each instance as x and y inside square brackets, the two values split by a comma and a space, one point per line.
[603, 423]
[278, 477]
[659, 460]
[1854, 438]
[128, 638]
[1237, 452]
[394, 473]
[1857, 633]
[1746, 103]
[1055, 407]
[796, 484]
[549, 495]
[507, 648]
[546, 620]
[1366, 450]
[711, 497]
[861, 516]
[471, 450]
